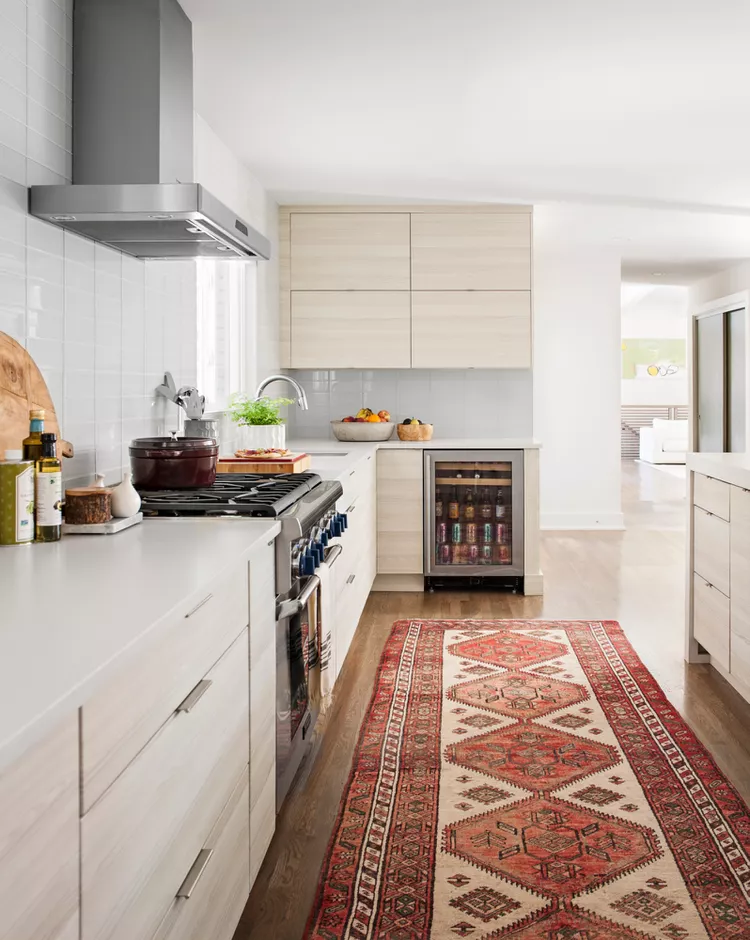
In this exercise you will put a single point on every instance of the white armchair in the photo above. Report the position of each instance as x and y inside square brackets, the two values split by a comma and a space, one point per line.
[664, 442]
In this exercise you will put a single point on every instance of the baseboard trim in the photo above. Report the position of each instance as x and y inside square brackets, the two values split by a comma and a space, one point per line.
[533, 585]
[585, 521]
[398, 582]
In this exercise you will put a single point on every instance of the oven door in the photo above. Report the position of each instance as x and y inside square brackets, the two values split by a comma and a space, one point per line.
[294, 719]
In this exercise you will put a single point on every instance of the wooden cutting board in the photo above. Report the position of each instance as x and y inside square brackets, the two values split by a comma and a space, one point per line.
[294, 463]
[22, 387]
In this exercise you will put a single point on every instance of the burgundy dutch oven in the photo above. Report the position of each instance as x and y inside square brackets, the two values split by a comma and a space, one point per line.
[165, 463]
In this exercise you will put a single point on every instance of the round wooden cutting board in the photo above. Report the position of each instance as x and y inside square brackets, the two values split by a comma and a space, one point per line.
[22, 388]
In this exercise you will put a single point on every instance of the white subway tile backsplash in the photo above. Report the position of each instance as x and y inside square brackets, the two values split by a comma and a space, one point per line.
[12, 258]
[12, 291]
[47, 353]
[42, 32]
[12, 165]
[13, 322]
[14, 11]
[12, 71]
[47, 124]
[12, 98]
[12, 133]
[38, 175]
[51, 97]
[13, 28]
[471, 403]
[46, 153]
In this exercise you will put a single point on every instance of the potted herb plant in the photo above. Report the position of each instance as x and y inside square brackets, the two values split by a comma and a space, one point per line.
[260, 425]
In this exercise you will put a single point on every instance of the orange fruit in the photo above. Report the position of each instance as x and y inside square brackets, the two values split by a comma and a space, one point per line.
[373, 419]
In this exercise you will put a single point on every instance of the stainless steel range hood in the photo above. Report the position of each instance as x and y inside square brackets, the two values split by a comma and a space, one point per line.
[133, 141]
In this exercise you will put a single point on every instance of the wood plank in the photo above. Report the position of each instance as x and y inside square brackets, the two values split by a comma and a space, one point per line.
[471, 251]
[294, 463]
[357, 251]
[478, 329]
[351, 329]
[39, 840]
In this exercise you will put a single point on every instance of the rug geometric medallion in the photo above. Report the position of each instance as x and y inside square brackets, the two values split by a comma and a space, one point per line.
[530, 780]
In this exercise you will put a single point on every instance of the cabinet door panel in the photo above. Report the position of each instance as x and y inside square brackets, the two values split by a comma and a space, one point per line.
[711, 495]
[740, 583]
[39, 840]
[351, 329]
[711, 620]
[471, 329]
[711, 554]
[350, 251]
[400, 502]
[471, 251]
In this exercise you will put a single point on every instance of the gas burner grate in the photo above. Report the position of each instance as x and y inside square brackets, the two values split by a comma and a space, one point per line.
[244, 494]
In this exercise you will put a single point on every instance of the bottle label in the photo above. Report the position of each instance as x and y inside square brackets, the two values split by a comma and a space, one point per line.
[49, 498]
[25, 505]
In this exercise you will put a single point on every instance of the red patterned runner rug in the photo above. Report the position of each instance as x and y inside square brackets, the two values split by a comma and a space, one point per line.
[529, 779]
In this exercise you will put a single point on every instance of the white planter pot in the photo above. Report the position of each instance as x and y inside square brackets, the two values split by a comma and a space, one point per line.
[262, 436]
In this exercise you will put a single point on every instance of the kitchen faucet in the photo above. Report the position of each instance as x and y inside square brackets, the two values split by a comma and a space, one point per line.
[301, 396]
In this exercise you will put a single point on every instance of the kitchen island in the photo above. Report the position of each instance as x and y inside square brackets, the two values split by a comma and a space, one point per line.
[718, 570]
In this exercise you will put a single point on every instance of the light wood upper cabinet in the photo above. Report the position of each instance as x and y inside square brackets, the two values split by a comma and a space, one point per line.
[471, 251]
[351, 330]
[350, 251]
[465, 329]
[39, 883]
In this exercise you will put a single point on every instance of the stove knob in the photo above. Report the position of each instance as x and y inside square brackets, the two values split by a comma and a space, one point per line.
[324, 539]
[337, 530]
[318, 552]
[344, 521]
[307, 564]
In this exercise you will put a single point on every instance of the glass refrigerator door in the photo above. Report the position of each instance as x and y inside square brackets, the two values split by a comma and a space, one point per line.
[475, 513]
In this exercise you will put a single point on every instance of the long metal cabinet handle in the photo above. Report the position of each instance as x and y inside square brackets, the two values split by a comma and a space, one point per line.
[292, 607]
[198, 606]
[193, 876]
[195, 695]
[332, 554]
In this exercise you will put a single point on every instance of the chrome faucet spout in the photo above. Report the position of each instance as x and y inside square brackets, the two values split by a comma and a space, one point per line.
[301, 396]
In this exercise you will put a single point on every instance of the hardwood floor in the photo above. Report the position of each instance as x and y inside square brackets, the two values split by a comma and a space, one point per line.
[635, 576]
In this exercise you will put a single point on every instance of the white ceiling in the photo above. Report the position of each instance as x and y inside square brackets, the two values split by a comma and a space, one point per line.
[635, 103]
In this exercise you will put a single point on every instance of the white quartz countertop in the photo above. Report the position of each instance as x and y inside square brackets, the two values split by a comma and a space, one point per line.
[73, 611]
[334, 460]
[732, 468]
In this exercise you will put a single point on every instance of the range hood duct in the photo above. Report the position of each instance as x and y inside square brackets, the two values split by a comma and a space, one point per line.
[133, 169]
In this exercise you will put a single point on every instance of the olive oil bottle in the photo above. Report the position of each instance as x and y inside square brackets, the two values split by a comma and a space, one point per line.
[48, 480]
[32, 446]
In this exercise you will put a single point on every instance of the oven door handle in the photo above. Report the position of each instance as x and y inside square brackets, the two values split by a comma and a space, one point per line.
[332, 554]
[291, 608]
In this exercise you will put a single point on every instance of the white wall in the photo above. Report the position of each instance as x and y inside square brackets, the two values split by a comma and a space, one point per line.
[659, 312]
[478, 403]
[730, 281]
[102, 326]
[576, 375]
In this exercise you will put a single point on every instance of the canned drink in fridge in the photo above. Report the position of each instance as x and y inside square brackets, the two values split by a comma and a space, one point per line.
[501, 532]
[458, 554]
[485, 555]
[441, 532]
[444, 554]
[473, 554]
[471, 532]
[456, 533]
[503, 554]
[487, 532]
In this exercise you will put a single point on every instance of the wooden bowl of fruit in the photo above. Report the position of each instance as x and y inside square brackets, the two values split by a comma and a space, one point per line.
[412, 429]
[366, 425]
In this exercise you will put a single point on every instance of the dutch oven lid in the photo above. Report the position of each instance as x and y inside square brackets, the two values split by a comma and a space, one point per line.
[194, 445]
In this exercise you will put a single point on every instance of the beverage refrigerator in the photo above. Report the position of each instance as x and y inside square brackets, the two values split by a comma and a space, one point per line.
[473, 527]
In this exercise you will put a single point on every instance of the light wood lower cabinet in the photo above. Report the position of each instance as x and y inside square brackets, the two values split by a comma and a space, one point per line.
[119, 720]
[400, 503]
[351, 329]
[711, 495]
[140, 840]
[711, 555]
[740, 584]
[214, 894]
[711, 620]
[471, 329]
[39, 801]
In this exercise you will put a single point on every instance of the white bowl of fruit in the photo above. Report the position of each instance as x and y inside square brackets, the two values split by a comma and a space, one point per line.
[366, 425]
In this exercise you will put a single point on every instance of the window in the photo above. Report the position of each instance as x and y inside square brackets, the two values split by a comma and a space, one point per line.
[226, 310]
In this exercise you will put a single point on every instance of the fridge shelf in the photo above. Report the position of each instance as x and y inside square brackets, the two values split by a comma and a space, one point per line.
[460, 481]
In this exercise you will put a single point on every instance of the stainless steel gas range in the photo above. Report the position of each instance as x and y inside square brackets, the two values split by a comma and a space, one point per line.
[305, 506]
